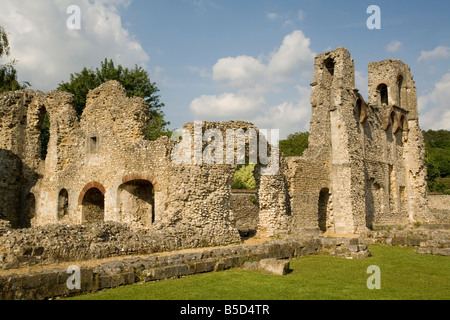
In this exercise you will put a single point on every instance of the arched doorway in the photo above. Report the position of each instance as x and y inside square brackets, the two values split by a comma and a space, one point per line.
[137, 203]
[93, 206]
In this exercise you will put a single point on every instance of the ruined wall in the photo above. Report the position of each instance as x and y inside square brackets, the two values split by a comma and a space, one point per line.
[364, 165]
[245, 210]
[365, 162]
[100, 168]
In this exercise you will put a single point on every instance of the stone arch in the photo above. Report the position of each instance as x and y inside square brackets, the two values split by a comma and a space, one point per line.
[136, 202]
[63, 204]
[92, 200]
[142, 176]
[324, 197]
[91, 185]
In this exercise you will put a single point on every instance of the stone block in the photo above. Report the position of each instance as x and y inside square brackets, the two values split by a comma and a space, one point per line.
[169, 272]
[220, 266]
[205, 266]
[31, 281]
[273, 266]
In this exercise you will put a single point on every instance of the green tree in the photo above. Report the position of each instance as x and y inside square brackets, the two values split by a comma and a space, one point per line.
[295, 144]
[8, 74]
[437, 146]
[136, 82]
[244, 178]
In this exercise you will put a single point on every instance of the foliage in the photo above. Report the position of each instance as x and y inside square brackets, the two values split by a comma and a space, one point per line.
[243, 178]
[8, 74]
[136, 83]
[437, 146]
[295, 144]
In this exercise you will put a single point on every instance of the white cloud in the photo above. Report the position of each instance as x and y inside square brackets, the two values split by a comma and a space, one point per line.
[272, 16]
[300, 15]
[440, 52]
[289, 117]
[225, 106]
[48, 52]
[293, 57]
[288, 67]
[238, 72]
[434, 107]
[394, 46]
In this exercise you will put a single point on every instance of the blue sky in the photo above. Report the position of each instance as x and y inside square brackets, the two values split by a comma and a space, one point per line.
[234, 60]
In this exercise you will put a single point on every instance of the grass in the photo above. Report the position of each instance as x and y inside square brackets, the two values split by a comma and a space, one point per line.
[405, 275]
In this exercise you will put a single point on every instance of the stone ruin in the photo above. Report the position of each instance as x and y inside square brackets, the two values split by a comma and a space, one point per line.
[364, 166]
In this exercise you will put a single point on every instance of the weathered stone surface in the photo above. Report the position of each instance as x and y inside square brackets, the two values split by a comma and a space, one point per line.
[274, 266]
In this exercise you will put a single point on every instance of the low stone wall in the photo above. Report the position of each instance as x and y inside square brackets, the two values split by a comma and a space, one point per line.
[439, 205]
[52, 244]
[47, 284]
[439, 202]
[428, 241]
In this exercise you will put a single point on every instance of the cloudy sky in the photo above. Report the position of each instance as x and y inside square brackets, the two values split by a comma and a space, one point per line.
[234, 59]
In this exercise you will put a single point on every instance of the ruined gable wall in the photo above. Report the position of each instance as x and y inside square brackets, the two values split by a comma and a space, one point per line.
[402, 141]
[328, 184]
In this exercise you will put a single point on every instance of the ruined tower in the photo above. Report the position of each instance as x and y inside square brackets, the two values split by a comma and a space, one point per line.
[365, 161]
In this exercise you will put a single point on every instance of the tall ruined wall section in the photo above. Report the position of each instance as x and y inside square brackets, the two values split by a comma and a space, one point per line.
[13, 123]
[393, 100]
[320, 180]
[365, 162]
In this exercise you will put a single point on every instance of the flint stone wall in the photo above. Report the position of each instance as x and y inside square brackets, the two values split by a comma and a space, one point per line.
[51, 244]
[245, 210]
[439, 205]
[52, 283]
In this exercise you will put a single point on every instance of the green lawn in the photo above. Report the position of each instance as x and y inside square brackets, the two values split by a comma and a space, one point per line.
[404, 275]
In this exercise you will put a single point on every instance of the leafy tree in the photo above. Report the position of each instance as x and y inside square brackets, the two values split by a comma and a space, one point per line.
[437, 146]
[243, 178]
[136, 82]
[8, 74]
[295, 144]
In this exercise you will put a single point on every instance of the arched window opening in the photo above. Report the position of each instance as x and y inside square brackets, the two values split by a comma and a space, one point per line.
[63, 204]
[329, 65]
[44, 132]
[400, 85]
[324, 197]
[383, 90]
